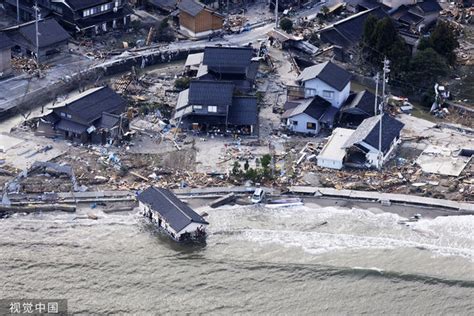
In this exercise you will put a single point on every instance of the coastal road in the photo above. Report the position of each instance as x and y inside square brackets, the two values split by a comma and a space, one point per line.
[18, 89]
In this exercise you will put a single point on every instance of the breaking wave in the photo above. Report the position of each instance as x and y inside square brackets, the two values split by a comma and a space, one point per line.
[322, 230]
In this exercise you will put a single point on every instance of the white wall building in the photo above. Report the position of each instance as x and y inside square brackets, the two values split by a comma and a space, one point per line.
[362, 147]
[308, 115]
[171, 215]
[328, 81]
[333, 153]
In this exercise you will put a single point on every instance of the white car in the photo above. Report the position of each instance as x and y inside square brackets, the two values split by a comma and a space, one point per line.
[258, 196]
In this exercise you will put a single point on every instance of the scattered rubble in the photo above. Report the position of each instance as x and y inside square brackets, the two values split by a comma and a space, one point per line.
[28, 65]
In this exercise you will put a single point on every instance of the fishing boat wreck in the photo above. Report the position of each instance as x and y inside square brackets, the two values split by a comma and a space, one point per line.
[171, 215]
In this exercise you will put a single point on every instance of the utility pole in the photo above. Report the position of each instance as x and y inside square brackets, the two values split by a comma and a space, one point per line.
[276, 14]
[37, 38]
[386, 71]
[376, 105]
[18, 11]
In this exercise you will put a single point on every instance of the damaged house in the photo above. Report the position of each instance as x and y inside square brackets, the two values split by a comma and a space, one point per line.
[78, 16]
[309, 115]
[225, 63]
[92, 116]
[358, 107]
[363, 147]
[415, 17]
[322, 90]
[211, 106]
[348, 32]
[197, 20]
[52, 38]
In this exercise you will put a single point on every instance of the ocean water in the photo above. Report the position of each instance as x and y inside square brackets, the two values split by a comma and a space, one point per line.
[298, 260]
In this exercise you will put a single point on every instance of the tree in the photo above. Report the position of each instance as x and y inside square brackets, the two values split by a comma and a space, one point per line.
[426, 67]
[182, 83]
[444, 41]
[324, 10]
[286, 25]
[165, 32]
[380, 39]
[236, 169]
[368, 37]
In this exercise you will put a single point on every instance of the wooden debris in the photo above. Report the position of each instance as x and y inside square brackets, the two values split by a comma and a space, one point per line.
[226, 199]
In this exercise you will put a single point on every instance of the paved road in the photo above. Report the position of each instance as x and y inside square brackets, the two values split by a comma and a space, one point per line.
[13, 90]
[312, 12]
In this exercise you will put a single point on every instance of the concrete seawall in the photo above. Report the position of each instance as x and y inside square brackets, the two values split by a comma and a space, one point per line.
[367, 196]
[387, 198]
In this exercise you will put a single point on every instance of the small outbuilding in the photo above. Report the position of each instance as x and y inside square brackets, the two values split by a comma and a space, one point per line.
[172, 215]
[197, 20]
[333, 153]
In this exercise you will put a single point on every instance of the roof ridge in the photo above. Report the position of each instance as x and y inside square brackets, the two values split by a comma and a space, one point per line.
[177, 207]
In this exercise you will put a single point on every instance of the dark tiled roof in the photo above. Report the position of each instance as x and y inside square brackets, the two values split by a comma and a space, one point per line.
[90, 107]
[191, 7]
[243, 111]
[50, 33]
[403, 14]
[429, 6]
[108, 120]
[362, 102]
[314, 107]
[411, 18]
[177, 214]
[328, 72]
[204, 92]
[65, 125]
[370, 4]
[5, 42]
[329, 115]
[83, 4]
[352, 28]
[228, 59]
[334, 37]
[168, 5]
[368, 132]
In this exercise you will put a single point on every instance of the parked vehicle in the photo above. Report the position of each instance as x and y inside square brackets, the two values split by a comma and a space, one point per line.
[258, 196]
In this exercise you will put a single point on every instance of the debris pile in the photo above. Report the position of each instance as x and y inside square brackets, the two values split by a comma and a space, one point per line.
[235, 23]
[27, 65]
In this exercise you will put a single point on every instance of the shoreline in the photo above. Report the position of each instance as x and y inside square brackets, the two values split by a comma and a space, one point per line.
[374, 207]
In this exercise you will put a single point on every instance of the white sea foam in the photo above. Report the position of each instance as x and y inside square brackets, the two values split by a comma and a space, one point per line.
[302, 227]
